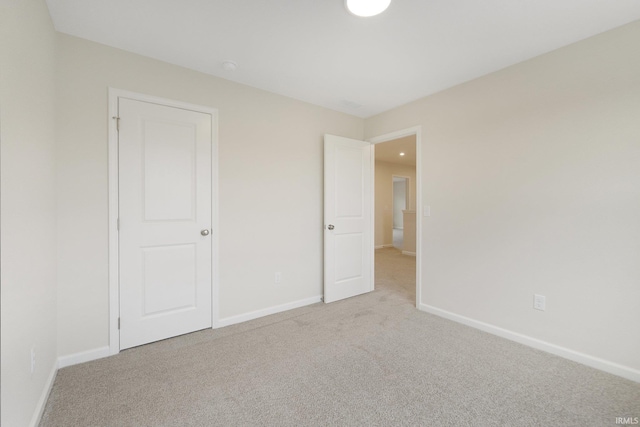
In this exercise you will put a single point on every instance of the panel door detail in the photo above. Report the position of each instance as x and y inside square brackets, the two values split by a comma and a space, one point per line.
[165, 258]
[348, 201]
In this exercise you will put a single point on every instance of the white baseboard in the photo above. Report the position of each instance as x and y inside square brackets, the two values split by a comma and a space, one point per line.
[42, 402]
[585, 359]
[63, 362]
[408, 253]
[85, 356]
[383, 246]
[227, 321]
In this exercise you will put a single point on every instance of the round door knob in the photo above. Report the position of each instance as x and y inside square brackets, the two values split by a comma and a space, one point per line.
[205, 232]
[330, 227]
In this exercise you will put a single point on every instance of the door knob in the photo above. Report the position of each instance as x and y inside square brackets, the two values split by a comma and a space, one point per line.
[205, 232]
[330, 227]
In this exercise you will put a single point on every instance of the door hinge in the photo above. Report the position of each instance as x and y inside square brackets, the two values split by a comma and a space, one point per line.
[118, 224]
[118, 323]
[117, 119]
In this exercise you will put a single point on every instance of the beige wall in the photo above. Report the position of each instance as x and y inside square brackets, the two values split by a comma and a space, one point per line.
[384, 200]
[409, 233]
[532, 174]
[270, 157]
[400, 202]
[28, 206]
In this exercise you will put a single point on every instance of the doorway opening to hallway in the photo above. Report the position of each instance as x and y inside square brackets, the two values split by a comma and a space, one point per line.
[395, 205]
[358, 211]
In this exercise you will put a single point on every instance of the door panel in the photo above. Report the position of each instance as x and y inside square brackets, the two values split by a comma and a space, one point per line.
[348, 248]
[165, 202]
[348, 209]
[169, 153]
[168, 279]
[349, 171]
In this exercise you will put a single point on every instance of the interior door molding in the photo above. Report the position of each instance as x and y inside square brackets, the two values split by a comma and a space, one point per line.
[417, 131]
[114, 294]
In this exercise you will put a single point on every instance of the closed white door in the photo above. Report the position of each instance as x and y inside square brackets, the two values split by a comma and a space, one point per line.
[348, 232]
[165, 252]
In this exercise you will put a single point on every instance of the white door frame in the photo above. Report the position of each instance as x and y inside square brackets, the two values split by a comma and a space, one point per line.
[417, 131]
[114, 267]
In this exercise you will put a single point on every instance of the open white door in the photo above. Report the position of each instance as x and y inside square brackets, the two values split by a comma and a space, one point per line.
[165, 254]
[348, 214]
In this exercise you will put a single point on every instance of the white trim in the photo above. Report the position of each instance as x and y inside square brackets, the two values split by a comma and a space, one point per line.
[372, 216]
[215, 223]
[114, 267]
[417, 131]
[408, 253]
[63, 362]
[227, 321]
[114, 295]
[83, 356]
[384, 246]
[585, 359]
[42, 402]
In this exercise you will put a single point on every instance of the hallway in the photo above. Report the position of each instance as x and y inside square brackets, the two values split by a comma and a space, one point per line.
[396, 273]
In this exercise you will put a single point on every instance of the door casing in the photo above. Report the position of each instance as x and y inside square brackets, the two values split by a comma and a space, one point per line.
[114, 294]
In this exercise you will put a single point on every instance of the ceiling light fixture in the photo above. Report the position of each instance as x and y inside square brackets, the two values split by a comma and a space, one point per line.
[402, 154]
[366, 8]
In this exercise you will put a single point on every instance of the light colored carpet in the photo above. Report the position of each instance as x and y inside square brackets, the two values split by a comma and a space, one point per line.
[372, 360]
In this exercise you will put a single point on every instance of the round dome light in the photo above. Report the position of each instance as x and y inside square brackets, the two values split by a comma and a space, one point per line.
[366, 8]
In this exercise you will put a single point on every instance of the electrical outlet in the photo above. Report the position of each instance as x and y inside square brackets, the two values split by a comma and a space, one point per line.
[539, 302]
[278, 278]
[33, 360]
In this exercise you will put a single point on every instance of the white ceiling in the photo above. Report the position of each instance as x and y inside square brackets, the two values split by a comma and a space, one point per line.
[315, 51]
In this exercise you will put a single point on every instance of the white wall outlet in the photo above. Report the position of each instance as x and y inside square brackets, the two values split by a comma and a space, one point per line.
[539, 302]
[33, 359]
[278, 278]
[427, 210]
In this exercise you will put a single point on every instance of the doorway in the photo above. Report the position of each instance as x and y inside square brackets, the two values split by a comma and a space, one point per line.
[351, 179]
[396, 203]
[162, 219]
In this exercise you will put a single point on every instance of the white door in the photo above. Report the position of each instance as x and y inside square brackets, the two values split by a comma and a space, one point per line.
[348, 231]
[165, 252]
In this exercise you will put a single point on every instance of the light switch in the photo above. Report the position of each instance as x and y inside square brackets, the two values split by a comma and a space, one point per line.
[427, 211]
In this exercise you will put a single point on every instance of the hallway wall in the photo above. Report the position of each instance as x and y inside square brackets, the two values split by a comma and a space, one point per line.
[384, 201]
